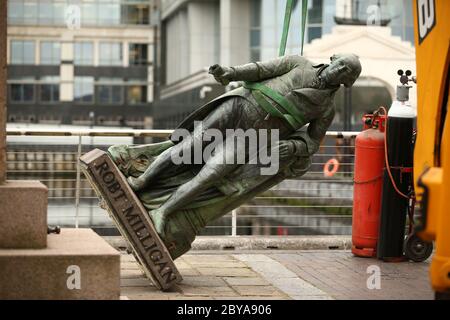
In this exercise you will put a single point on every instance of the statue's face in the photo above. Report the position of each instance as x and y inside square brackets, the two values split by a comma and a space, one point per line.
[342, 70]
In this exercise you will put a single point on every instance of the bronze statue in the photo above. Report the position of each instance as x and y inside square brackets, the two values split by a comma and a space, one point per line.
[282, 95]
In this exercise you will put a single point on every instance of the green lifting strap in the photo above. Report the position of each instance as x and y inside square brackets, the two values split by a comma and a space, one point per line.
[260, 92]
[287, 21]
[286, 24]
[262, 101]
[304, 14]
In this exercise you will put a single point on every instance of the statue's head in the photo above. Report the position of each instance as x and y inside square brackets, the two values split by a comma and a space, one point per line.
[343, 69]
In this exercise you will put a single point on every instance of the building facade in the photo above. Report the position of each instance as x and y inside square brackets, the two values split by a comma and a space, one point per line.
[81, 62]
[196, 34]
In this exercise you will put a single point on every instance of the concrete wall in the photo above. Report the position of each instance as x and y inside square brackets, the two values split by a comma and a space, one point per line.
[177, 46]
[204, 32]
[235, 32]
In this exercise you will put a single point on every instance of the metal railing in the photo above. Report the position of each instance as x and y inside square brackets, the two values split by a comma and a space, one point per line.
[313, 204]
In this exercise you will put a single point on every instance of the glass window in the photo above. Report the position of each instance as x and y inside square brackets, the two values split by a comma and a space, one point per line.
[89, 13]
[135, 14]
[110, 91]
[136, 92]
[110, 54]
[315, 12]
[15, 12]
[30, 11]
[255, 13]
[45, 12]
[49, 89]
[50, 53]
[84, 53]
[109, 13]
[59, 12]
[93, 12]
[83, 89]
[22, 52]
[255, 38]
[255, 30]
[22, 90]
[314, 33]
[138, 53]
[255, 54]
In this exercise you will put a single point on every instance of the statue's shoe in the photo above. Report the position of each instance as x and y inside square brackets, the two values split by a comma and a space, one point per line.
[159, 222]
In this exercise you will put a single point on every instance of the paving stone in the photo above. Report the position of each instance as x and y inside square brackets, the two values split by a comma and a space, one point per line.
[203, 281]
[254, 298]
[303, 297]
[257, 291]
[155, 296]
[181, 297]
[246, 281]
[131, 273]
[208, 291]
[343, 276]
[150, 292]
[227, 272]
[208, 257]
[189, 272]
[139, 282]
[300, 275]
[182, 264]
[127, 258]
[220, 264]
[279, 276]
[129, 266]
[253, 257]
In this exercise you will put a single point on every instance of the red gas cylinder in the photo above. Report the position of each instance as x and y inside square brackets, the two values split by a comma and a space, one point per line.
[368, 182]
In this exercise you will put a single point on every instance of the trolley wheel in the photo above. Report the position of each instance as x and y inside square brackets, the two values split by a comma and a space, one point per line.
[442, 295]
[416, 249]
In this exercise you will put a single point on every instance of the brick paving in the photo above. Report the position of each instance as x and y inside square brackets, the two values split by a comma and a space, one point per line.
[205, 276]
[279, 275]
[343, 276]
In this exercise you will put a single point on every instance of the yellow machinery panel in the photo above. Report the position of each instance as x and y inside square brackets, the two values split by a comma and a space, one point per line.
[432, 150]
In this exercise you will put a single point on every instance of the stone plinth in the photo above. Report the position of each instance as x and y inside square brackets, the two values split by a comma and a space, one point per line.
[131, 218]
[23, 215]
[77, 264]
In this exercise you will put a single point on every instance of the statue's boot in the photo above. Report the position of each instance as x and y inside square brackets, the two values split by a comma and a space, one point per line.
[159, 220]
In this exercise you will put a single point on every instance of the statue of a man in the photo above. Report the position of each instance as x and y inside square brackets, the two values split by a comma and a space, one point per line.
[283, 94]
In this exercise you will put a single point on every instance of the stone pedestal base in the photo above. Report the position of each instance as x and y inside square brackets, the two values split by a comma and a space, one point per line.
[23, 214]
[77, 264]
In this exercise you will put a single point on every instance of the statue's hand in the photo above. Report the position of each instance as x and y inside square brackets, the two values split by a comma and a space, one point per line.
[136, 183]
[221, 74]
[285, 149]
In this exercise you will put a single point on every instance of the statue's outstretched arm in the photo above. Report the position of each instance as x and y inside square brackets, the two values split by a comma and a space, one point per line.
[255, 71]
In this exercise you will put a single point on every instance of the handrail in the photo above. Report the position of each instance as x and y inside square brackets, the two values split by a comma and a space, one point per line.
[157, 133]
[69, 189]
[88, 132]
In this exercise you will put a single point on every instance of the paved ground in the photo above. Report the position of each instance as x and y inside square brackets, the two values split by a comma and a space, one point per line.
[281, 275]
